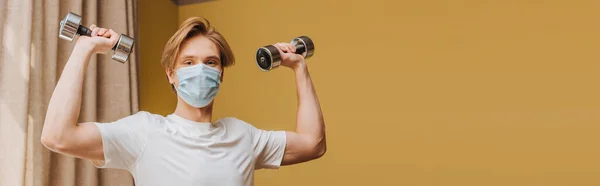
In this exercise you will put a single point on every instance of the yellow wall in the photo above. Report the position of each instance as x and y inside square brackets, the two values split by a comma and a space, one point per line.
[157, 21]
[420, 93]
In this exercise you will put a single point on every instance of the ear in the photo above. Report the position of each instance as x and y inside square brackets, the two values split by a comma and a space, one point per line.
[170, 76]
[222, 74]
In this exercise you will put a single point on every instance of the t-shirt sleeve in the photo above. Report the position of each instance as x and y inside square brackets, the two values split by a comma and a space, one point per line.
[269, 147]
[123, 140]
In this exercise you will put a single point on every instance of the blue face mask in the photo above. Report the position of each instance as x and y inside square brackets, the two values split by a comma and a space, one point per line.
[198, 84]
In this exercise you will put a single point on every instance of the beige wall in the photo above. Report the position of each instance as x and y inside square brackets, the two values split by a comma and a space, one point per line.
[422, 93]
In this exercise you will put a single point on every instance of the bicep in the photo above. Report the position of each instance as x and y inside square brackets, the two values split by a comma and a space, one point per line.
[298, 149]
[84, 142]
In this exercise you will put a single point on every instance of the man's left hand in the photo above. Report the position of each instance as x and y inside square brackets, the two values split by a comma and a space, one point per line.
[288, 56]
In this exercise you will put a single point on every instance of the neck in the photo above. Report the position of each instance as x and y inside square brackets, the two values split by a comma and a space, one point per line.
[188, 112]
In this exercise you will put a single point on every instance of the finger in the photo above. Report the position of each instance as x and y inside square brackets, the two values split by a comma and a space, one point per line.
[293, 48]
[95, 31]
[283, 47]
[107, 34]
[92, 26]
[280, 47]
[114, 37]
[287, 47]
[102, 31]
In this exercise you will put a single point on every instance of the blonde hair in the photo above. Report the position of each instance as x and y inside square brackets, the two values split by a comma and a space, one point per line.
[192, 27]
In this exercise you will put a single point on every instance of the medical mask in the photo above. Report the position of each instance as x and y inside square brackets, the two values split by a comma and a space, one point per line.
[198, 84]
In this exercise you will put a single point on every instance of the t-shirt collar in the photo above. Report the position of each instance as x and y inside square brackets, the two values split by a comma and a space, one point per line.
[189, 124]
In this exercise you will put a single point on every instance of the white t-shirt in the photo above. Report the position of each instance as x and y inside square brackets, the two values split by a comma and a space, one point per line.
[171, 150]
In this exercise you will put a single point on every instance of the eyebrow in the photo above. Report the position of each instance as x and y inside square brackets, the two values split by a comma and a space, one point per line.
[214, 57]
[194, 57]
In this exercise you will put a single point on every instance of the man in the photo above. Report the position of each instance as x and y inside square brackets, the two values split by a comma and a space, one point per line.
[183, 148]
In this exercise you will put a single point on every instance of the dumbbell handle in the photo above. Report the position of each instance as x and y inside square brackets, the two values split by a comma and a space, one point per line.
[84, 31]
[300, 49]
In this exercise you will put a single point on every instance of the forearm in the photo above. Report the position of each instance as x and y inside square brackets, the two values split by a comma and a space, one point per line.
[310, 123]
[65, 103]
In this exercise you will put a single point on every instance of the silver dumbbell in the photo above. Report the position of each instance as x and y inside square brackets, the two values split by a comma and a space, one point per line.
[268, 57]
[70, 27]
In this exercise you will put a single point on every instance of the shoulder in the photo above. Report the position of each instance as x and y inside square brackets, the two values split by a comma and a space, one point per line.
[232, 122]
[150, 117]
[144, 116]
[142, 119]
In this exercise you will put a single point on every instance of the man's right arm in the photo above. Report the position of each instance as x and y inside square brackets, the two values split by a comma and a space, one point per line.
[61, 132]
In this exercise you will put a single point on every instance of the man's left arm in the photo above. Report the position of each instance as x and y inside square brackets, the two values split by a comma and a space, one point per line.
[308, 141]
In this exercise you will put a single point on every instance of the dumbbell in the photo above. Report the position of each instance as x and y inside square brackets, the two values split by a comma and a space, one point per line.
[268, 57]
[70, 27]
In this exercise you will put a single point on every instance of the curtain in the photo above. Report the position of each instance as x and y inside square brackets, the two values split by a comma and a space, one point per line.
[31, 60]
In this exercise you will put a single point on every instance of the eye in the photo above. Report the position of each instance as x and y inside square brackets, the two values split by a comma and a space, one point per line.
[187, 63]
[211, 62]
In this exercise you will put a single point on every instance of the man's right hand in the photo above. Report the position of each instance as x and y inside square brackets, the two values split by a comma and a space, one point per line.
[101, 41]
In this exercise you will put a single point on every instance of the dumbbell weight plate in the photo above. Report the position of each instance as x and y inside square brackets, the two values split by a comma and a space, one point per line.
[268, 58]
[69, 26]
[123, 48]
[308, 44]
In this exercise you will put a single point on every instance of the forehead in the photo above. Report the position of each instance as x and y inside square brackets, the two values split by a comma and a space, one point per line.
[198, 46]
